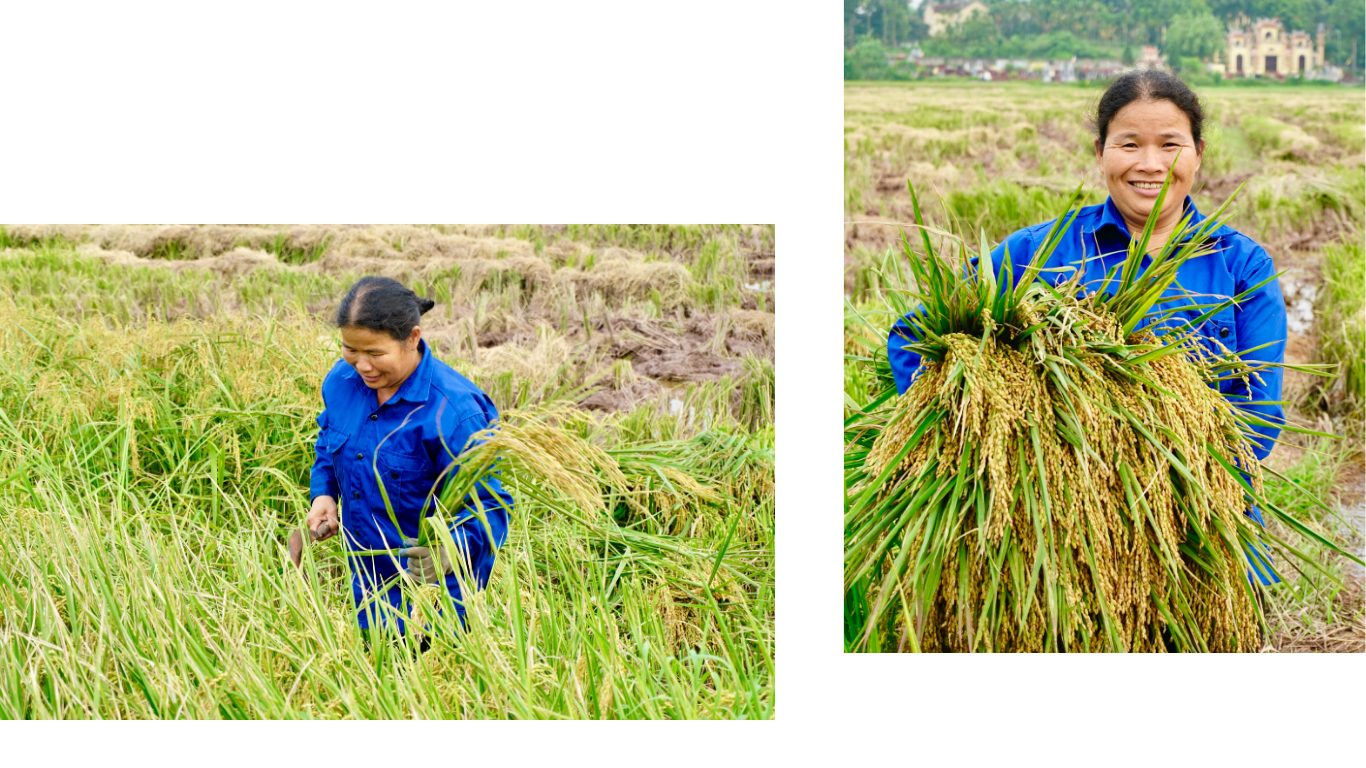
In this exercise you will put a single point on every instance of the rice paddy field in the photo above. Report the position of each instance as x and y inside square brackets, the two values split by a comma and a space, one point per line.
[995, 157]
[157, 435]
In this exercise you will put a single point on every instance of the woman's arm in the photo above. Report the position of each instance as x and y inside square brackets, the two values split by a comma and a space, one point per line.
[323, 479]
[906, 364]
[1260, 319]
[494, 502]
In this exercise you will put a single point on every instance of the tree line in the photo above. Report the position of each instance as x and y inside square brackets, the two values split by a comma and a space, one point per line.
[1183, 29]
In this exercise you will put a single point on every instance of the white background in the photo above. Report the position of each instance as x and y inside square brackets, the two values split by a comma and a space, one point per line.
[563, 112]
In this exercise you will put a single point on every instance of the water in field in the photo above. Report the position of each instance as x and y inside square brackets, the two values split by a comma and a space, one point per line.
[1299, 288]
[1355, 517]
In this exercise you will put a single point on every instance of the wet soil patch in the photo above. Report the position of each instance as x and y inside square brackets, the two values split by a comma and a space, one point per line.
[872, 232]
[624, 398]
[761, 265]
[672, 357]
[1055, 134]
[1219, 188]
[683, 365]
[499, 338]
[891, 184]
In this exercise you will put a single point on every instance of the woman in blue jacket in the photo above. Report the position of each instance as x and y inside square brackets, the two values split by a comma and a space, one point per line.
[388, 404]
[1144, 119]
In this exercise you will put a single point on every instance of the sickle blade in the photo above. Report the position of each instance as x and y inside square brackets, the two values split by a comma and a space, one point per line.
[296, 547]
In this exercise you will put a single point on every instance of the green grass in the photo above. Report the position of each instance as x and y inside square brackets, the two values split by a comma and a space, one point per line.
[148, 483]
[1342, 327]
[1300, 610]
[154, 456]
[1002, 207]
[52, 275]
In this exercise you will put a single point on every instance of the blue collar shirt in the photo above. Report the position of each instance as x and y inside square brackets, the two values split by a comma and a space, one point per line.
[1098, 239]
[403, 438]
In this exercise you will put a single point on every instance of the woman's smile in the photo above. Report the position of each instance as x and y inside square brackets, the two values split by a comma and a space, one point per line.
[1147, 188]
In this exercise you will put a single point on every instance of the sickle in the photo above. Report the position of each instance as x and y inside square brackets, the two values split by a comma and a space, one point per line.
[296, 541]
[296, 547]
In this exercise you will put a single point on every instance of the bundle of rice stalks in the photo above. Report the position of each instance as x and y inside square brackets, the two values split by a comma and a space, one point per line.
[1060, 477]
[665, 490]
[542, 443]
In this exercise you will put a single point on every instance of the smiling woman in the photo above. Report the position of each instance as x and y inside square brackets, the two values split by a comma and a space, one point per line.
[1148, 127]
[392, 415]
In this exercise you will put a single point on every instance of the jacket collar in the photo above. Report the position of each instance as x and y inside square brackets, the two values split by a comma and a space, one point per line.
[415, 388]
[1110, 217]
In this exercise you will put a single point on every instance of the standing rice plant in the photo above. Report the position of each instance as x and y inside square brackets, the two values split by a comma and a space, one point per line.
[148, 478]
[1060, 477]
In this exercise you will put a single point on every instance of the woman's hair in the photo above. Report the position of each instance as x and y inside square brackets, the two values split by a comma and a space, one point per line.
[1149, 85]
[382, 304]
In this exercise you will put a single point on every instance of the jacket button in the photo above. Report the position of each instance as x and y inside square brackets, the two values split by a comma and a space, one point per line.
[1223, 333]
[374, 417]
[393, 475]
[359, 455]
[355, 494]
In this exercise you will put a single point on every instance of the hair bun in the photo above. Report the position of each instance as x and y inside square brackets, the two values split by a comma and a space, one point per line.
[424, 304]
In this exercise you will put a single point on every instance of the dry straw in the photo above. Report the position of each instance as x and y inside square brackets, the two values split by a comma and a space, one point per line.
[1058, 478]
[469, 263]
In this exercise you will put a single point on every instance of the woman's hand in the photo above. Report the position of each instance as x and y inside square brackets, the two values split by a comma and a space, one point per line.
[422, 565]
[322, 519]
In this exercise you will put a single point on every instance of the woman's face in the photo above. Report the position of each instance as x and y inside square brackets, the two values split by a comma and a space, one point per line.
[381, 360]
[1140, 145]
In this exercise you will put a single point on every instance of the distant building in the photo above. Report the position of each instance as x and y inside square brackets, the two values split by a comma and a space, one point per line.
[941, 16]
[1266, 50]
[1098, 69]
[995, 70]
[1151, 58]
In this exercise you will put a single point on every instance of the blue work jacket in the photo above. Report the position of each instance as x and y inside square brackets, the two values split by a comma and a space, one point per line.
[1098, 239]
[403, 438]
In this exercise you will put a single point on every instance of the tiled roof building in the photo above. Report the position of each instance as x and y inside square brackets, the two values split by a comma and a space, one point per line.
[1266, 49]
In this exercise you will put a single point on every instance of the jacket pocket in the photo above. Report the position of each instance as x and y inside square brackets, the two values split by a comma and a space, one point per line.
[1221, 333]
[334, 439]
[403, 475]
